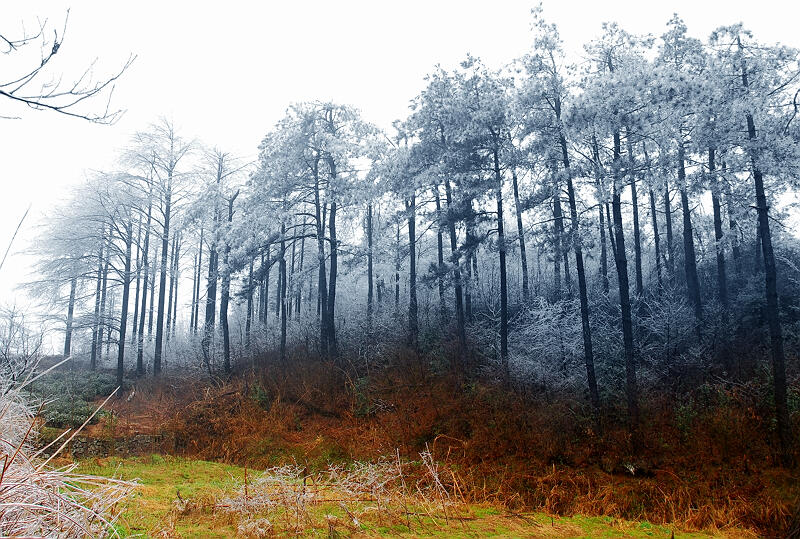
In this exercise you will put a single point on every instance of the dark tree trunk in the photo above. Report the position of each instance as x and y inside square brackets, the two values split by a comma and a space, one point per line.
[670, 254]
[582, 290]
[168, 328]
[521, 233]
[103, 322]
[278, 299]
[397, 270]
[562, 247]
[135, 324]
[722, 277]
[332, 280]
[588, 353]
[261, 290]
[152, 296]
[281, 295]
[413, 321]
[654, 214]
[196, 304]
[146, 267]
[266, 284]
[501, 243]
[322, 287]
[601, 202]
[656, 240]
[370, 285]
[440, 257]
[70, 313]
[733, 227]
[248, 324]
[126, 292]
[162, 285]
[96, 325]
[177, 274]
[637, 243]
[689, 258]
[299, 280]
[454, 255]
[290, 279]
[557, 250]
[223, 315]
[211, 297]
[603, 251]
[771, 285]
[194, 293]
[621, 260]
[225, 296]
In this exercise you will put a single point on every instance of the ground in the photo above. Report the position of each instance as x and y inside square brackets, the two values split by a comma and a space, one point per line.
[180, 497]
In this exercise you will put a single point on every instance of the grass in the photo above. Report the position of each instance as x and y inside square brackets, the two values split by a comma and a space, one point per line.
[178, 497]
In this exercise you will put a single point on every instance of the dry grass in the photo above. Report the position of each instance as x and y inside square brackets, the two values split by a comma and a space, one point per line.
[41, 500]
[709, 466]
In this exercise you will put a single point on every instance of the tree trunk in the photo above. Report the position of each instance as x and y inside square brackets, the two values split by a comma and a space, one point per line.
[440, 258]
[299, 292]
[146, 266]
[168, 328]
[123, 320]
[225, 296]
[322, 287]
[588, 353]
[637, 244]
[196, 304]
[332, 280]
[163, 280]
[103, 323]
[211, 297]
[152, 296]
[96, 325]
[656, 240]
[689, 258]
[771, 285]
[601, 202]
[223, 313]
[654, 214]
[194, 293]
[413, 321]
[291, 278]
[397, 271]
[521, 233]
[261, 284]
[603, 251]
[557, 250]
[281, 295]
[722, 279]
[70, 312]
[733, 227]
[249, 321]
[454, 255]
[135, 324]
[670, 254]
[501, 242]
[369, 268]
[177, 274]
[621, 260]
[266, 284]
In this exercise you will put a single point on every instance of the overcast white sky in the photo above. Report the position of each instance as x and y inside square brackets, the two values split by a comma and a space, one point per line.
[226, 71]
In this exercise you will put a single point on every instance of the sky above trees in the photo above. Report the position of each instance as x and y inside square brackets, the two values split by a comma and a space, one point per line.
[223, 74]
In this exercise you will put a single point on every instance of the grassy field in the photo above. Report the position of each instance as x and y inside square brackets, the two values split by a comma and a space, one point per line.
[191, 498]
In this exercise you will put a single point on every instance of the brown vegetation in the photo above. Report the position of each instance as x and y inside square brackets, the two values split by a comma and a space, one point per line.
[706, 461]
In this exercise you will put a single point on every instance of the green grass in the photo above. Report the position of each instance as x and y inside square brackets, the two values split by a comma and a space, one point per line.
[164, 481]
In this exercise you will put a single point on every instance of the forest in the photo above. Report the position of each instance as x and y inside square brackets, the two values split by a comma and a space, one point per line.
[564, 287]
